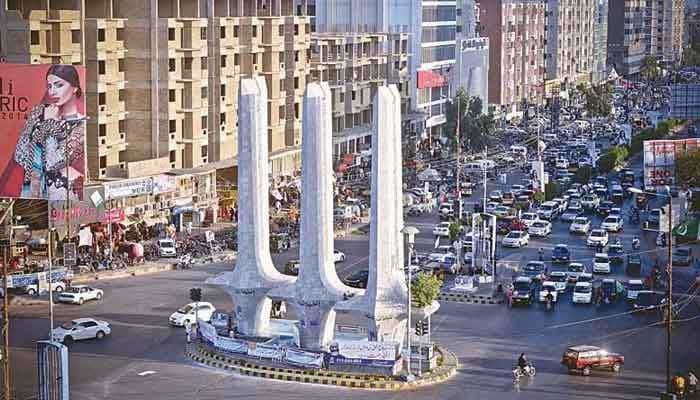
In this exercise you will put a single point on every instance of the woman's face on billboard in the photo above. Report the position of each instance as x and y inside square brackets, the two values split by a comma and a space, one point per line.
[60, 91]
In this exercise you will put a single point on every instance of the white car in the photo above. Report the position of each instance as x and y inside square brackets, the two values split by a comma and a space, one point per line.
[590, 201]
[491, 206]
[80, 329]
[612, 223]
[501, 211]
[580, 225]
[338, 256]
[548, 287]
[166, 248]
[596, 237]
[516, 239]
[548, 210]
[496, 196]
[574, 271]
[571, 213]
[634, 286]
[540, 228]
[601, 263]
[442, 229]
[188, 314]
[529, 218]
[56, 287]
[583, 293]
[559, 278]
[79, 294]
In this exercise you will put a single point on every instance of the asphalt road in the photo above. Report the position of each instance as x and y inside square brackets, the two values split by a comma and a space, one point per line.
[143, 358]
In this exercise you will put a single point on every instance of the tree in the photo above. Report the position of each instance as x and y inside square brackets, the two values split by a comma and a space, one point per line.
[598, 99]
[425, 289]
[650, 68]
[475, 127]
[688, 169]
[454, 229]
[583, 175]
[614, 158]
[538, 197]
[551, 190]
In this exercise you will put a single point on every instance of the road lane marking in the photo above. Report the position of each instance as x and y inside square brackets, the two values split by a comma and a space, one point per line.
[346, 267]
[146, 373]
[133, 325]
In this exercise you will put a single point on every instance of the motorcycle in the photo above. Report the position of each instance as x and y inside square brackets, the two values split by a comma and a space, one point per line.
[185, 261]
[548, 305]
[635, 244]
[528, 371]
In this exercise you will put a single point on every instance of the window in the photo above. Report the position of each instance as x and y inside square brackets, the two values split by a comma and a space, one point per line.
[296, 110]
[120, 65]
[203, 33]
[236, 59]
[281, 30]
[222, 88]
[223, 61]
[120, 34]
[100, 35]
[222, 118]
[34, 37]
[296, 82]
[102, 130]
[281, 112]
[122, 126]
[171, 95]
[172, 126]
[222, 32]
[354, 95]
[172, 155]
[296, 56]
[187, 63]
[75, 36]
[255, 58]
[204, 63]
[235, 31]
[204, 151]
[205, 93]
[171, 33]
[103, 162]
[255, 31]
[171, 65]
[296, 29]
[205, 122]
[102, 98]
[101, 67]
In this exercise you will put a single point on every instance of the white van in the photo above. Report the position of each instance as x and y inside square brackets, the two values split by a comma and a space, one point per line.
[519, 151]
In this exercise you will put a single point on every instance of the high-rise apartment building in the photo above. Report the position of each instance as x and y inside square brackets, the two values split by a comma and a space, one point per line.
[355, 65]
[162, 75]
[570, 41]
[600, 42]
[431, 26]
[663, 29]
[626, 41]
[516, 32]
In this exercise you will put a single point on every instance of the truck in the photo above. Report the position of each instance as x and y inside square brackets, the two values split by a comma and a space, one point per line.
[24, 280]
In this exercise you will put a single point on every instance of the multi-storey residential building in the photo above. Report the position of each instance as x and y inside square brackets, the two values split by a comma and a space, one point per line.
[663, 29]
[600, 42]
[355, 65]
[626, 46]
[570, 29]
[692, 28]
[432, 29]
[162, 76]
[516, 32]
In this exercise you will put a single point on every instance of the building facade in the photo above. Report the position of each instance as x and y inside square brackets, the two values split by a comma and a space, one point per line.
[355, 65]
[626, 40]
[692, 28]
[600, 42]
[516, 33]
[570, 40]
[663, 35]
[162, 76]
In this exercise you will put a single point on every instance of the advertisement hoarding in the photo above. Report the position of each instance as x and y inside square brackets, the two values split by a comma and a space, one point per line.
[660, 160]
[42, 125]
[128, 188]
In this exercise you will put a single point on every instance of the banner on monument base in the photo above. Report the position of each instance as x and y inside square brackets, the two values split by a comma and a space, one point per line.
[304, 358]
[365, 349]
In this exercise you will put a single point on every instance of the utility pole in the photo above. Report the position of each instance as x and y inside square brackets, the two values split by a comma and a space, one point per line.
[669, 295]
[484, 169]
[6, 308]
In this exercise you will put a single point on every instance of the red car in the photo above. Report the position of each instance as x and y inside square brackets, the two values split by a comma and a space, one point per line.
[584, 358]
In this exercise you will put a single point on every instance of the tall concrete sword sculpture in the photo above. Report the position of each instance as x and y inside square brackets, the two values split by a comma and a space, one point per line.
[384, 303]
[318, 287]
[254, 275]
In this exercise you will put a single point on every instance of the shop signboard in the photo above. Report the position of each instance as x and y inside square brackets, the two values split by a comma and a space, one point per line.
[163, 184]
[128, 188]
[660, 160]
[42, 125]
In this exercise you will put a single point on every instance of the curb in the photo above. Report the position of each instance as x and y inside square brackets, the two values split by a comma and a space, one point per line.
[468, 298]
[144, 270]
[208, 357]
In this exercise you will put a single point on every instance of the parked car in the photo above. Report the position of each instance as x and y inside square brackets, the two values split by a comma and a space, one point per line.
[516, 239]
[548, 287]
[188, 314]
[597, 237]
[574, 271]
[358, 279]
[81, 329]
[522, 290]
[33, 289]
[559, 278]
[583, 293]
[166, 248]
[561, 253]
[601, 263]
[580, 225]
[634, 286]
[442, 229]
[540, 228]
[585, 358]
[682, 256]
[612, 223]
[79, 294]
[535, 270]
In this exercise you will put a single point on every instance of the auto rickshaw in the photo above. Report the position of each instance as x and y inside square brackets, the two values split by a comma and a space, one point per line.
[279, 242]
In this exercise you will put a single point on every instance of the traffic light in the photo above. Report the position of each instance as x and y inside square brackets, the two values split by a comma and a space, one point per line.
[196, 294]
[421, 328]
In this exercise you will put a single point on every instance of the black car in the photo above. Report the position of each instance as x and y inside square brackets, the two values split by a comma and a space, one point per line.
[292, 267]
[358, 279]
[616, 253]
[561, 253]
[522, 290]
[605, 207]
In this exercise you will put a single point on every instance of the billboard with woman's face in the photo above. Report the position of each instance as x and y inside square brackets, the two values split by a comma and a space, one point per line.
[42, 131]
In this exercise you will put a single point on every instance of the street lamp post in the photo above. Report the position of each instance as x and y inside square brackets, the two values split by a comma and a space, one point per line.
[669, 274]
[410, 232]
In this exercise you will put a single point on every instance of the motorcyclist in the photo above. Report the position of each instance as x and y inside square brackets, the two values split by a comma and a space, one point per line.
[541, 253]
[550, 299]
[635, 243]
[522, 362]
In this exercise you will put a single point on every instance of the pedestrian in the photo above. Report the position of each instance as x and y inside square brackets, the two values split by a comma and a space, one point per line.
[188, 332]
[509, 295]
[679, 384]
[692, 383]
